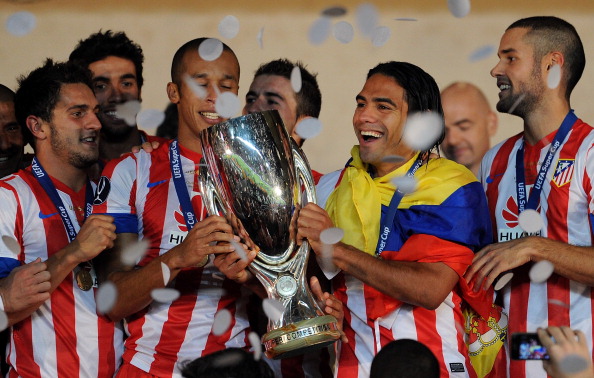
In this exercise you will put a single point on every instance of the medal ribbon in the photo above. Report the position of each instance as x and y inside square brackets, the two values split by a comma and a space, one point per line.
[179, 181]
[532, 201]
[388, 221]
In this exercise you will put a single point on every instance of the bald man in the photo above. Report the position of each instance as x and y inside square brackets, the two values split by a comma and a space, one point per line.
[469, 122]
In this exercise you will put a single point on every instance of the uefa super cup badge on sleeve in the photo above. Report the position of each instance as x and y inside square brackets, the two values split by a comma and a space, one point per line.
[258, 178]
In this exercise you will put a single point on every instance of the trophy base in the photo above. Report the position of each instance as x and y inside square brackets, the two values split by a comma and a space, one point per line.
[301, 337]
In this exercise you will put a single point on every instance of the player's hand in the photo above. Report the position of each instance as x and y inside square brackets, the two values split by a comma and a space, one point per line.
[235, 266]
[330, 304]
[562, 343]
[311, 222]
[95, 235]
[25, 286]
[146, 146]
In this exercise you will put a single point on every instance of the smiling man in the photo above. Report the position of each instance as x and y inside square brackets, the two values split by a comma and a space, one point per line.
[402, 255]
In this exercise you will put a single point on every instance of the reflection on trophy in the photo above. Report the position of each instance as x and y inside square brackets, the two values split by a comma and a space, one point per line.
[258, 178]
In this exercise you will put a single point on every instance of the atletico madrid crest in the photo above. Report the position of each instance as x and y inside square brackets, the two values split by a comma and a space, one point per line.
[563, 172]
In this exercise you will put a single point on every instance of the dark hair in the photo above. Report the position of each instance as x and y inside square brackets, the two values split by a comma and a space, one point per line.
[100, 45]
[405, 358]
[547, 34]
[39, 91]
[227, 363]
[6, 94]
[309, 98]
[421, 92]
[178, 59]
[168, 128]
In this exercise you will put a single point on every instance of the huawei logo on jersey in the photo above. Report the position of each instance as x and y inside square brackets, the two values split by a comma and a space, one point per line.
[181, 222]
[510, 213]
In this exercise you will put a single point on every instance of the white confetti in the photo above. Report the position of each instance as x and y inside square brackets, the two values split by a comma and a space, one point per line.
[210, 49]
[228, 104]
[319, 30]
[128, 111]
[11, 243]
[459, 8]
[343, 32]
[503, 280]
[164, 295]
[20, 24]
[257, 344]
[260, 38]
[559, 303]
[230, 359]
[197, 89]
[150, 118]
[572, 364]
[481, 53]
[554, 77]
[106, 297]
[296, 81]
[516, 103]
[308, 128]
[422, 130]
[239, 250]
[3, 321]
[273, 309]
[541, 271]
[530, 221]
[405, 19]
[393, 159]
[405, 184]
[133, 253]
[221, 323]
[229, 27]
[331, 236]
[367, 17]
[334, 11]
[166, 273]
[380, 36]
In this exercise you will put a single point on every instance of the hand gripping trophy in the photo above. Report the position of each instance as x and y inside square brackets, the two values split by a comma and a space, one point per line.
[257, 177]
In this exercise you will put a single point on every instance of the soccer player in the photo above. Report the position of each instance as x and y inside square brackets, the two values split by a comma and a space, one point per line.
[539, 185]
[45, 216]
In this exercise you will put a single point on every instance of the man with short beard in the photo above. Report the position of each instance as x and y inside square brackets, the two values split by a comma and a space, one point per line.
[12, 137]
[539, 185]
[116, 64]
[46, 223]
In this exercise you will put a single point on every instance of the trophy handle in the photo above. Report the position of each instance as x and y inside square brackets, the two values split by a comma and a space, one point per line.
[303, 172]
[208, 191]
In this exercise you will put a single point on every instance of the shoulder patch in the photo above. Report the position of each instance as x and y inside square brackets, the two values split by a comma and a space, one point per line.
[563, 172]
[103, 188]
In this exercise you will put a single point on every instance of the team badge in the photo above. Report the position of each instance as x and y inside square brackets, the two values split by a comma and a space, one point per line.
[563, 172]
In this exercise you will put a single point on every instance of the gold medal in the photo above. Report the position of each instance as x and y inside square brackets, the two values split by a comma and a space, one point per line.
[203, 262]
[84, 280]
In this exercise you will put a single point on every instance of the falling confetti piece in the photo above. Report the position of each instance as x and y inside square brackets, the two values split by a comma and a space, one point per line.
[296, 82]
[422, 130]
[150, 118]
[516, 103]
[229, 27]
[231, 359]
[260, 38]
[393, 159]
[557, 302]
[343, 32]
[222, 321]
[132, 254]
[273, 309]
[572, 364]
[128, 111]
[405, 19]
[380, 36]
[106, 297]
[197, 89]
[405, 184]
[319, 31]
[257, 344]
[541, 271]
[3, 321]
[554, 77]
[334, 12]
[331, 236]
[308, 128]
[530, 221]
[210, 49]
[481, 53]
[166, 273]
[228, 104]
[367, 17]
[503, 280]
[459, 8]
[239, 250]
[164, 295]
[20, 24]
[11, 243]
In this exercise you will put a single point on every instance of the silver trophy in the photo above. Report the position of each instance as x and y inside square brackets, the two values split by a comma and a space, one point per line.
[258, 178]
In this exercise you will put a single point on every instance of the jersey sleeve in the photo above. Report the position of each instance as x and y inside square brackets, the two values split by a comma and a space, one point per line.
[9, 229]
[115, 194]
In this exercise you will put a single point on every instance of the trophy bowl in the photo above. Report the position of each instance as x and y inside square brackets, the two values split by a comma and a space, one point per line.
[258, 178]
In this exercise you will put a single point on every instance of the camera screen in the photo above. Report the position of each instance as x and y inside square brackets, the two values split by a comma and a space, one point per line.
[528, 347]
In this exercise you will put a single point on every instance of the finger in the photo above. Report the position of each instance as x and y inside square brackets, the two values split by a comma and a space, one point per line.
[316, 288]
[581, 338]
[544, 338]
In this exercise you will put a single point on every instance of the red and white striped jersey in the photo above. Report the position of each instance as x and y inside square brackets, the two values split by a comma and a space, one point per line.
[64, 337]
[141, 196]
[566, 208]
